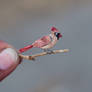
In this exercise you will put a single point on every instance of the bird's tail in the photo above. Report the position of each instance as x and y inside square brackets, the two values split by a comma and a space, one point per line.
[25, 48]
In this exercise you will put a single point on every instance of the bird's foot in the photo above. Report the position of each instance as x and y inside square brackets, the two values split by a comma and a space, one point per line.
[49, 51]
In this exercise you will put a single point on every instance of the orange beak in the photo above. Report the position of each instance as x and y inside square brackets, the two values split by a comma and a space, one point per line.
[60, 35]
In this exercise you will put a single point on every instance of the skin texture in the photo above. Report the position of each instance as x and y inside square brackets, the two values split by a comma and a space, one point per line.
[46, 42]
[9, 59]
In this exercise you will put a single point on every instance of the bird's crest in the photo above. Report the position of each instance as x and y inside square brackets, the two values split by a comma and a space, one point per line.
[54, 29]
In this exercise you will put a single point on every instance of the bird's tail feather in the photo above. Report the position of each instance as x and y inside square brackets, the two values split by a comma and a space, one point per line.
[25, 48]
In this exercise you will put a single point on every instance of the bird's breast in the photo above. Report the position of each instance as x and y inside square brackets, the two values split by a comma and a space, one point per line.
[51, 44]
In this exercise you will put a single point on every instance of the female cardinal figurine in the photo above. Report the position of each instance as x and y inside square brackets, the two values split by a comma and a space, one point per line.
[9, 59]
[46, 42]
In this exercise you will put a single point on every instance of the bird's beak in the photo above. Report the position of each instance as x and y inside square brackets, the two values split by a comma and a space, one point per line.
[60, 35]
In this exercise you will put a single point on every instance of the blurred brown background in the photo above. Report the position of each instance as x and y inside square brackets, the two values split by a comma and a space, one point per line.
[23, 21]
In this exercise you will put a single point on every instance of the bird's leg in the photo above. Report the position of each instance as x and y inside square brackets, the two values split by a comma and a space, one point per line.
[48, 51]
[45, 50]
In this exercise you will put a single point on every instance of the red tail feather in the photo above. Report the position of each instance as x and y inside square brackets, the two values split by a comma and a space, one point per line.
[25, 48]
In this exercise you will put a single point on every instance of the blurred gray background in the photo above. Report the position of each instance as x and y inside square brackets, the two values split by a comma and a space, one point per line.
[23, 21]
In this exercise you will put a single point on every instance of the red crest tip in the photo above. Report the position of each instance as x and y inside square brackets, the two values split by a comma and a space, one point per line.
[54, 29]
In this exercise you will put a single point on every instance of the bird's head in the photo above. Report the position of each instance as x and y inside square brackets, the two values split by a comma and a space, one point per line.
[55, 31]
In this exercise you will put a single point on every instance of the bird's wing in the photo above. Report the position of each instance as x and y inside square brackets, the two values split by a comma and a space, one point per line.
[45, 40]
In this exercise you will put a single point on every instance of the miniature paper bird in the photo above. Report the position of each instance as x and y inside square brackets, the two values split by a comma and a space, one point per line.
[46, 42]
